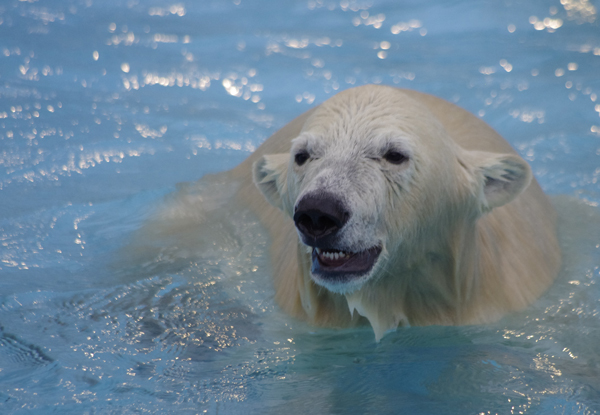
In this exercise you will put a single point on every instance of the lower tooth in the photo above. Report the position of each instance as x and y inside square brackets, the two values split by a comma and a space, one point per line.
[331, 255]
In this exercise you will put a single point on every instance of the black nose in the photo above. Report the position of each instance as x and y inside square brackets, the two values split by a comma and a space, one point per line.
[319, 216]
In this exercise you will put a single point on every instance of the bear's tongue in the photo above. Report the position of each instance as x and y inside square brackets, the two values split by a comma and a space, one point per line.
[335, 263]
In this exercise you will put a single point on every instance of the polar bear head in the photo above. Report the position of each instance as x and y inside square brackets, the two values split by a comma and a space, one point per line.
[375, 184]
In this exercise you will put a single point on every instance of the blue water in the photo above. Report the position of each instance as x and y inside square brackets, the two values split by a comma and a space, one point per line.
[106, 105]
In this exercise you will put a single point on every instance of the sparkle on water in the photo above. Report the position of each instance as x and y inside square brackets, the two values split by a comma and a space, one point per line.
[106, 105]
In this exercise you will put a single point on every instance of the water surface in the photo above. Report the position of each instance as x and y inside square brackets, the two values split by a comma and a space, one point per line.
[106, 105]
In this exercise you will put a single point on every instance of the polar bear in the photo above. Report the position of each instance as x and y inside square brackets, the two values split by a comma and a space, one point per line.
[402, 208]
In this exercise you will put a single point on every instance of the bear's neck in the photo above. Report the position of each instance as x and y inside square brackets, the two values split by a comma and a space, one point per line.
[437, 285]
[453, 279]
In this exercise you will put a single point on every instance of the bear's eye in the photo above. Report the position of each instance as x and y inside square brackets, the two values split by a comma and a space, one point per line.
[301, 157]
[395, 157]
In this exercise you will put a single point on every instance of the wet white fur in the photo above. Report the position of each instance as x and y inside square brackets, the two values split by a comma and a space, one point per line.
[436, 215]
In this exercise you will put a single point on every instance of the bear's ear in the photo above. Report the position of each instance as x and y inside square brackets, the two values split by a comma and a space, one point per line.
[499, 177]
[270, 176]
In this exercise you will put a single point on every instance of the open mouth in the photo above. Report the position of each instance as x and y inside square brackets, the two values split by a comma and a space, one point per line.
[342, 265]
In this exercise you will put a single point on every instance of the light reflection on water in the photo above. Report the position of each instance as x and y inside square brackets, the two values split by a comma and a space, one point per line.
[105, 106]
